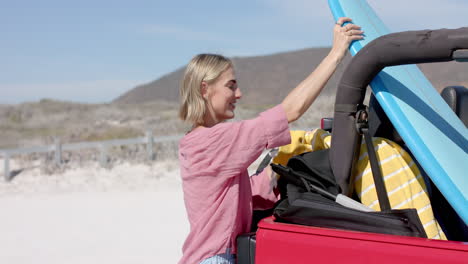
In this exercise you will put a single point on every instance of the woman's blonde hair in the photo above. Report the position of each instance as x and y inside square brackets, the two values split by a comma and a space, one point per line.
[203, 67]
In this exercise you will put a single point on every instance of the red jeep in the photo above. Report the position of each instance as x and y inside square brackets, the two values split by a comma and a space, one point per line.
[276, 242]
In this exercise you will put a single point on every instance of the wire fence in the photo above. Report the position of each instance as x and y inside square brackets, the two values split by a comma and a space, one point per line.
[102, 146]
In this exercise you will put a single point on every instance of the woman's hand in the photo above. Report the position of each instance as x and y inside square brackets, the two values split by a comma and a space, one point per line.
[343, 36]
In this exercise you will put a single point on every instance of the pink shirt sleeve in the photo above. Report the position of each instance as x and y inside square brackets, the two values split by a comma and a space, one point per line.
[246, 140]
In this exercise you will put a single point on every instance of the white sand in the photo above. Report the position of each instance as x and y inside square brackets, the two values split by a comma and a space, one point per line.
[128, 214]
[131, 213]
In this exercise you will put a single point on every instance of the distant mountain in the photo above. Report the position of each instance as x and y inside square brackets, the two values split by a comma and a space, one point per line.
[265, 80]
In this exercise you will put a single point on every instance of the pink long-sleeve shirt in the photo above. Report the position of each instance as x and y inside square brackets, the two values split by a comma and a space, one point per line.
[217, 188]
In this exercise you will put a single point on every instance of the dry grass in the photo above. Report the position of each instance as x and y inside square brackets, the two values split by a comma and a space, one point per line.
[39, 123]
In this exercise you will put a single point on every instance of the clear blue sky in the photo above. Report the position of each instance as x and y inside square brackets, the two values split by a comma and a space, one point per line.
[93, 51]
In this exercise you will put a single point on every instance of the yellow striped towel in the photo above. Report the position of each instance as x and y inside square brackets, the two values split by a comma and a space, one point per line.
[403, 181]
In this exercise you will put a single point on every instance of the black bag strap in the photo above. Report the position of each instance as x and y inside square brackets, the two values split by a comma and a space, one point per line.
[363, 128]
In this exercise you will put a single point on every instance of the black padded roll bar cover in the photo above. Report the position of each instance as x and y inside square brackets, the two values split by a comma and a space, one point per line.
[407, 47]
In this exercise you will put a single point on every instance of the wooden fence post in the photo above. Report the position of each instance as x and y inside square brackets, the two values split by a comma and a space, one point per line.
[149, 144]
[58, 152]
[7, 167]
[103, 156]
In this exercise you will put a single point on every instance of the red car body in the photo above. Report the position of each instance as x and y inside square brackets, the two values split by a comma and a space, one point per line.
[280, 243]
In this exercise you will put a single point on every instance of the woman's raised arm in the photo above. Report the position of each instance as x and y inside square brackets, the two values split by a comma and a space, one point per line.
[300, 98]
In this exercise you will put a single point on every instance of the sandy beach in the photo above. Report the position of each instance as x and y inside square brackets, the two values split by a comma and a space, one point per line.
[130, 213]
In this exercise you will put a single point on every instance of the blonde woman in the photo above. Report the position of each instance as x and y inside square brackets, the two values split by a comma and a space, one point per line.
[214, 156]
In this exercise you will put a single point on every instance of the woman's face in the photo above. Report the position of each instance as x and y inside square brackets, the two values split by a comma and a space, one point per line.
[221, 96]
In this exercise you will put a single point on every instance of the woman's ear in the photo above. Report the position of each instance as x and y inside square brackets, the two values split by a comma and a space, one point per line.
[204, 89]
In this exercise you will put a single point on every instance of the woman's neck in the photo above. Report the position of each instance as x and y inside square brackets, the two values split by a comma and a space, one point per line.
[210, 121]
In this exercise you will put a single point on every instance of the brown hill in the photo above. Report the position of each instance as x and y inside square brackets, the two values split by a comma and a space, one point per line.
[265, 80]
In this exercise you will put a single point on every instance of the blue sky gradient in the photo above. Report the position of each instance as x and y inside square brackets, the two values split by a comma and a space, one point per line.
[93, 51]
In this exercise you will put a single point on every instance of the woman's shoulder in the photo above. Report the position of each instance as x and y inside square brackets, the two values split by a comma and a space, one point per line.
[204, 133]
[231, 129]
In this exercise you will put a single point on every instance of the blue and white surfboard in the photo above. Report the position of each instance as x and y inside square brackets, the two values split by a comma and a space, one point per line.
[435, 135]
